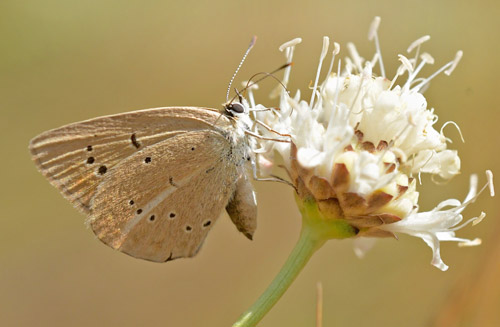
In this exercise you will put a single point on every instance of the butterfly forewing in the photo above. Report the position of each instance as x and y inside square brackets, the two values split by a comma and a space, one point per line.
[75, 158]
[159, 203]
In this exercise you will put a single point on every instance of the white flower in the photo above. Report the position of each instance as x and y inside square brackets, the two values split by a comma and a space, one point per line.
[361, 140]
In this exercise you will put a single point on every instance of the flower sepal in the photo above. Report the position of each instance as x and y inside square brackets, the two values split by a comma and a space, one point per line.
[323, 224]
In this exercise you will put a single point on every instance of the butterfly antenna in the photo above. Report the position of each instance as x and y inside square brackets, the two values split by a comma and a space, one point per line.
[271, 74]
[251, 83]
[252, 43]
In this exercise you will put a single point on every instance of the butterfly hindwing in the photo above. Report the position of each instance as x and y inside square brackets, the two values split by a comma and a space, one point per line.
[160, 203]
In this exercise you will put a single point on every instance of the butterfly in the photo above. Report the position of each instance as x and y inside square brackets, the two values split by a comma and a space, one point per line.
[153, 182]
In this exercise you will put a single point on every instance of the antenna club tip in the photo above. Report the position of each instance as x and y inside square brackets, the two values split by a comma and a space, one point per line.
[252, 41]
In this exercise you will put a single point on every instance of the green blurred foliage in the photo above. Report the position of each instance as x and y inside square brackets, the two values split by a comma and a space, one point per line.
[65, 61]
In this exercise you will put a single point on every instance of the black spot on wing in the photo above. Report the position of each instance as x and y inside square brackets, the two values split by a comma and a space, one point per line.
[171, 181]
[134, 141]
[102, 170]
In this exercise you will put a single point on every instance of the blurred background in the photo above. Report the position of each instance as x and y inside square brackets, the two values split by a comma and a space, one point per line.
[64, 61]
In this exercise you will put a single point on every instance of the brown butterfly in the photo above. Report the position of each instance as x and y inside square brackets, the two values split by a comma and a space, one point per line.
[153, 182]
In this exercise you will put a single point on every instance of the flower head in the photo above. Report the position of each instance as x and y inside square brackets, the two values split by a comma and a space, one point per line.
[360, 142]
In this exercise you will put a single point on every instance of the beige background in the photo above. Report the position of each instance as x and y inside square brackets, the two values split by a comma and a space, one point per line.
[65, 60]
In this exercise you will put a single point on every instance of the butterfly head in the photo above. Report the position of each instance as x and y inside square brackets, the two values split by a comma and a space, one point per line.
[236, 109]
[239, 112]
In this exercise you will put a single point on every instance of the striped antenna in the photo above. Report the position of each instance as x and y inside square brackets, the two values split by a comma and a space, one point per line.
[252, 43]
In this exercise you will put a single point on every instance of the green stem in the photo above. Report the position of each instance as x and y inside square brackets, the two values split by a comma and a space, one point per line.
[308, 243]
[317, 228]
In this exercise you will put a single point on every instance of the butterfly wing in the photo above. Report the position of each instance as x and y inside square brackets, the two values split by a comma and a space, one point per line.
[75, 158]
[159, 203]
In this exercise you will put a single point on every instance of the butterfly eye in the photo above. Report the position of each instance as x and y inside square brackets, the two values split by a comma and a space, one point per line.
[237, 108]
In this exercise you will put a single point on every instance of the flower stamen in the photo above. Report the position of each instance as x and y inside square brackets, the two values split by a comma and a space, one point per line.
[289, 47]
[336, 50]
[416, 44]
[450, 122]
[326, 44]
[373, 35]
[358, 61]
[451, 65]
[455, 62]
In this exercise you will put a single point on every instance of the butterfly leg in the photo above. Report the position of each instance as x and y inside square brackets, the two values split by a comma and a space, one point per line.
[273, 178]
[270, 129]
[265, 138]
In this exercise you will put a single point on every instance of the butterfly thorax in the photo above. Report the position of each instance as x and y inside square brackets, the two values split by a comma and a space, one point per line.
[238, 115]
